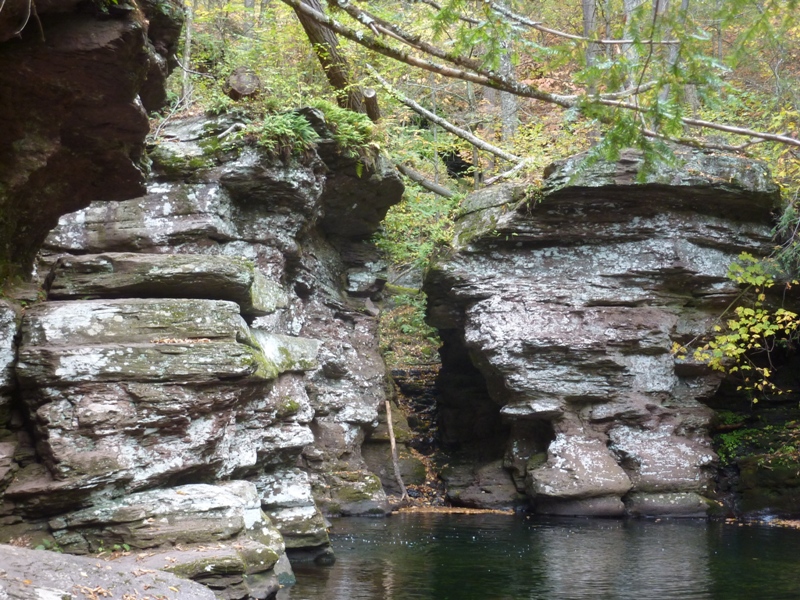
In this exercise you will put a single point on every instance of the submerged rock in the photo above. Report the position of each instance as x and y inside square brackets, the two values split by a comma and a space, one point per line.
[558, 313]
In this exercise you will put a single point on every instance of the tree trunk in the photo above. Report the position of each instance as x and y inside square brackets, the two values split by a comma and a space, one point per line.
[186, 82]
[628, 6]
[674, 51]
[335, 66]
[371, 105]
[508, 102]
[589, 10]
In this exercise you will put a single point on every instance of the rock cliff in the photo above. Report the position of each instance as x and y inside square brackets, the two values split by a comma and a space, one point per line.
[558, 311]
[204, 368]
[76, 82]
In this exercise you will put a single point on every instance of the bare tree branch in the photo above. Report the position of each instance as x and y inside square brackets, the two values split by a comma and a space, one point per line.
[506, 174]
[538, 26]
[429, 185]
[381, 47]
[462, 133]
[771, 137]
[507, 84]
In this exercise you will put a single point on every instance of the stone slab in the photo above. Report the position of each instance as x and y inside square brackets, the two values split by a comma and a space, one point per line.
[577, 467]
[123, 274]
[288, 353]
[153, 363]
[132, 321]
[686, 504]
[27, 574]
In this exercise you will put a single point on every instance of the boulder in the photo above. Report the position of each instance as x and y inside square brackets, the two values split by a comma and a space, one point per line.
[216, 535]
[287, 498]
[26, 574]
[676, 504]
[578, 467]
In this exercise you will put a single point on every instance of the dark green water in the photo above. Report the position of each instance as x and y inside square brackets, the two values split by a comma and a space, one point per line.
[496, 557]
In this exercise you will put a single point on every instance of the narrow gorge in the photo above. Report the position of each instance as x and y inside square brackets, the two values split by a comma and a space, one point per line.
[190, 375]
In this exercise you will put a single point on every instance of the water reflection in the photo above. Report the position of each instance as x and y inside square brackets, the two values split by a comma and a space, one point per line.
[496, 557]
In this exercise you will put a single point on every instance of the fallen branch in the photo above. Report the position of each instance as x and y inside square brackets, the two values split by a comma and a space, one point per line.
[507, 84]
[509, 173]
[444, 124]
[395, 459]
[429, 185]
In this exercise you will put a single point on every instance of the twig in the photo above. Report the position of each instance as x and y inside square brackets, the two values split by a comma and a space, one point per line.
[209, 75]
[537, 25]
[231, 129]
[175, 108]
[27, 18]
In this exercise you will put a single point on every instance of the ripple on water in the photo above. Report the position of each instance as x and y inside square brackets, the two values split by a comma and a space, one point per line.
[499, 557]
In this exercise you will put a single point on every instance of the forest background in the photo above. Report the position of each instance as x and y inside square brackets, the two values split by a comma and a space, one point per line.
[474, 91]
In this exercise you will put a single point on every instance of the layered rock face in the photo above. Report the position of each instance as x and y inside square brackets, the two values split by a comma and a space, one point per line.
[204, 369]
[76, 81]
[558, 313]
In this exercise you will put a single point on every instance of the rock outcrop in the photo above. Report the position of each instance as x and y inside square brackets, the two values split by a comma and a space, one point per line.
[76, 82]
[558, 312]
[204, 369]
[71, 577]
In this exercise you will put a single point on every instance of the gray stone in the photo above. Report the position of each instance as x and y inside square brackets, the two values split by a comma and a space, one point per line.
[676, 504]
[715, 181]
[190, 514]
[487, 486]
[120, 274]
[287, 498]
[191, 361]
[665, 461]
[140, 374]
[44, 575]
[578, 467]
[288, 353]
[10, 317]
[558, 313]
[133, 321]
[352, 494]
[234, 571]
[170, 214]
[599, 506]
[216, 535]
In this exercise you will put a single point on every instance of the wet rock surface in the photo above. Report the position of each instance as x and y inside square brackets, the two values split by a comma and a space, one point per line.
[558, 314]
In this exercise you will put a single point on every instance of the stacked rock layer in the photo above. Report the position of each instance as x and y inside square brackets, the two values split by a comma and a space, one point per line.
[204, 369]
[559, 312]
